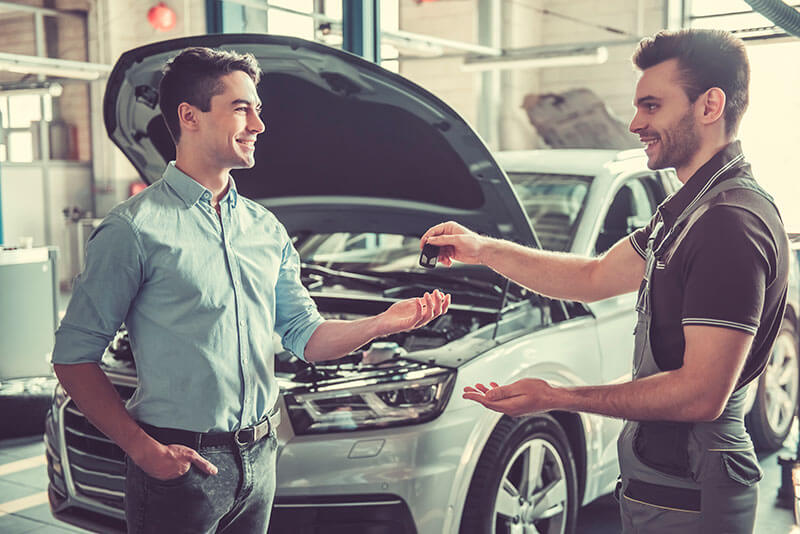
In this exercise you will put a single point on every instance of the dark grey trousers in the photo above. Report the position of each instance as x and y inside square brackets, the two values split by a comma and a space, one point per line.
[238, 499]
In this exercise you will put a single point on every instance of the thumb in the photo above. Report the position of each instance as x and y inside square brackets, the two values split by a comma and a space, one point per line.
[201, 463]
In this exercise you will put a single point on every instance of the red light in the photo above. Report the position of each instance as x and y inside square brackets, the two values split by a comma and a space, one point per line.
[136, 187]
[161, 17]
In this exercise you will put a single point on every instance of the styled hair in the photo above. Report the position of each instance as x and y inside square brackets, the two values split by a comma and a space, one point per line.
[193, 76]
[706, 59]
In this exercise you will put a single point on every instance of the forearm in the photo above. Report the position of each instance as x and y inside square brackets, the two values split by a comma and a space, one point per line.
[96, 397]
[334, 339]
[667, 396]
[553, 274]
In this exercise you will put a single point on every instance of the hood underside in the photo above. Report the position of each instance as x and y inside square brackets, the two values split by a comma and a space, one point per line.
[348, 145]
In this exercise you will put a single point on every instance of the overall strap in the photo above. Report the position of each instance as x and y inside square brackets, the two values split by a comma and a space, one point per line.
[733, 191]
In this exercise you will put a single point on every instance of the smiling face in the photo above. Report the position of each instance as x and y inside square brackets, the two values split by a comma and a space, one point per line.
[228, 130]
[665, 119]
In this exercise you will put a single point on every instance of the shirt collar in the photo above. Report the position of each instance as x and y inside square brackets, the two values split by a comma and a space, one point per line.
[701, 181]
[191, 192]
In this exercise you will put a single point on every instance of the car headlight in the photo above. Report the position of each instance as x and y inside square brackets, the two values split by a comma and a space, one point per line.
[412, 398]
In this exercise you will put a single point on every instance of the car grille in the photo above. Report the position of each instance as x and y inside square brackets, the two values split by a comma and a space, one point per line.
[96, 464]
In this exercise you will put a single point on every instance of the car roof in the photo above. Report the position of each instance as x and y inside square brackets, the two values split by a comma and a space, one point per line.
[566, 160]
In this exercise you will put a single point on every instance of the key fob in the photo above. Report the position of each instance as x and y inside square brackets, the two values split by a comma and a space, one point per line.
[428, 256]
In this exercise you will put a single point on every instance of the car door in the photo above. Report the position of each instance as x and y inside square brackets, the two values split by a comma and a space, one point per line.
[632, 204]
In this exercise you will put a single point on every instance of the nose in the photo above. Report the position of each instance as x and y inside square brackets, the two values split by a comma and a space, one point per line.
[255, 124]
[636, 123]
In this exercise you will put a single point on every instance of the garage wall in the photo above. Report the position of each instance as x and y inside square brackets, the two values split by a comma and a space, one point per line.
[116, 26]
[613, 81]
[65, 38]
[525, 25]
[456, 20]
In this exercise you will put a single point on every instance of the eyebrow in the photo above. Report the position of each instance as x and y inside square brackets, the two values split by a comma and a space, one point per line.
[646, 99]
[240, 101]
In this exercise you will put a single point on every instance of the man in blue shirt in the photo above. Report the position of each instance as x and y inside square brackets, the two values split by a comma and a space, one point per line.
[202, 278]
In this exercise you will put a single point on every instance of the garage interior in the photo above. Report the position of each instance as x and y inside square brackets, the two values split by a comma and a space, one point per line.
[525, 75]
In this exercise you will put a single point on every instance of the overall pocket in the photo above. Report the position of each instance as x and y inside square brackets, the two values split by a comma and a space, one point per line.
[741, 466]
[663, 446]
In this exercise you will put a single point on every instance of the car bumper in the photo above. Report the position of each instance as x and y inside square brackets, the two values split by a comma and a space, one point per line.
[416, 468]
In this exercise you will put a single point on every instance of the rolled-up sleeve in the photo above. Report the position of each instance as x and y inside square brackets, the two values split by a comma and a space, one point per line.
[296, 315]
[102, 293]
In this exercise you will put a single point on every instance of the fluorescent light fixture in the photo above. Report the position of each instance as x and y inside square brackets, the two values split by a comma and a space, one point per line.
[62, 68]
[564, 58]
[38, 88]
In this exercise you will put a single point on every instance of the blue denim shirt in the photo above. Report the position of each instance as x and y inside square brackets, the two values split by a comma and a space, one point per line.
[201, 296]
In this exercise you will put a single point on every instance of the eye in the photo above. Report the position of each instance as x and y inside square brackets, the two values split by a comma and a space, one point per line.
[241, 109]
[651, 107]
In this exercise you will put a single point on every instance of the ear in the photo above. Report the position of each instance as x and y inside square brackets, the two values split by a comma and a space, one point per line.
[188, 116]
[713, 105]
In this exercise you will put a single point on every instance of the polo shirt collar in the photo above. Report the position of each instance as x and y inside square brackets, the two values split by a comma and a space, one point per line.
[191, 192]
[701, 181]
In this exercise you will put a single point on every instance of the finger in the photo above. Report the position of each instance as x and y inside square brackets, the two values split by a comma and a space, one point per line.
[494, 384]
[428, 315]
[474, 396]
[432, 305]
[442, 240]
[470, 389]
[481, 388]
[438, 302]
[433, 230]
[498, 393]
[480, 399]
[201, 463]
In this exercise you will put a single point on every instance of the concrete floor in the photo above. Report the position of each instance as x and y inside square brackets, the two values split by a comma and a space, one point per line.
[24, 508]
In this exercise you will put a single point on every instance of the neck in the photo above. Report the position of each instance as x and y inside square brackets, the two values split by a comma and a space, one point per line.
[706, 151]
[201, 168]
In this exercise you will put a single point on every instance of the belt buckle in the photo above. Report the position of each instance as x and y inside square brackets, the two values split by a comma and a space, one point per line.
[251, 437]
[255, 432]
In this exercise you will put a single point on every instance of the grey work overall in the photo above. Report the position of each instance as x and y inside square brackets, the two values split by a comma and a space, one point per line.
[687, 477]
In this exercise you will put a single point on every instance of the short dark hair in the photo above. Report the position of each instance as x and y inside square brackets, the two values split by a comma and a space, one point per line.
[193, 76]
[706, 59]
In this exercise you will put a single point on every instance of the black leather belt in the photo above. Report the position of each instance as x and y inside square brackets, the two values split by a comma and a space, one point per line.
[196, 440]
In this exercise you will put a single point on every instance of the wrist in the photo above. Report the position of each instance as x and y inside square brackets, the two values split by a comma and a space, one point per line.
[141, 446]
[486, 250]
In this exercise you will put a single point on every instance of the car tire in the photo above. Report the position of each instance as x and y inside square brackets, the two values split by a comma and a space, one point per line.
[770, 419]
[499, 500]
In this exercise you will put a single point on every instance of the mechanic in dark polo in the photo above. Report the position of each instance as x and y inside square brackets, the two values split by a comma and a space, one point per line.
[202, 277]
[711, 269]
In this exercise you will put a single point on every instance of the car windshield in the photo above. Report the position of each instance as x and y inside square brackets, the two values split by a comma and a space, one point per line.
[554, 204]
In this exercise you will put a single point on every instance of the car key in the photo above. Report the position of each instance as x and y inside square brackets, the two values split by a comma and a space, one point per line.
[428, 256]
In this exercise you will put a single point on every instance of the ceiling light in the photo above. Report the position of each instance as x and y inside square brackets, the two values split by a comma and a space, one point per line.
[62, 68]
[38, 88]
[566, 58]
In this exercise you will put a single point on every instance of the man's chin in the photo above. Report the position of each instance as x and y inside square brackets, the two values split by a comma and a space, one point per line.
[247, 163]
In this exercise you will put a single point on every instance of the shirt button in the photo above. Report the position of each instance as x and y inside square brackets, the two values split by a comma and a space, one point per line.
[241, 323]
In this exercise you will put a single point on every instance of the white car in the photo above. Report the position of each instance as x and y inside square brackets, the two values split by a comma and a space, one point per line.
[357, 163]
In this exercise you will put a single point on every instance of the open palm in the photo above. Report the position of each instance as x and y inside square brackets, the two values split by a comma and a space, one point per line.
[412, 313]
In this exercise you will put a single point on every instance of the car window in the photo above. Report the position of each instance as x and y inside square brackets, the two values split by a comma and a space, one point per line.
[632, 207]
[554, 204]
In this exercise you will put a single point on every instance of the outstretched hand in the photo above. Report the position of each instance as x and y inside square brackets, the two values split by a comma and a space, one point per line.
[412, 313]
[528, 395]
[455, 241]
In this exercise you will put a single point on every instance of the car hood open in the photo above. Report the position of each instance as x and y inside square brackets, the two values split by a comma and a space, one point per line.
[348, 146]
